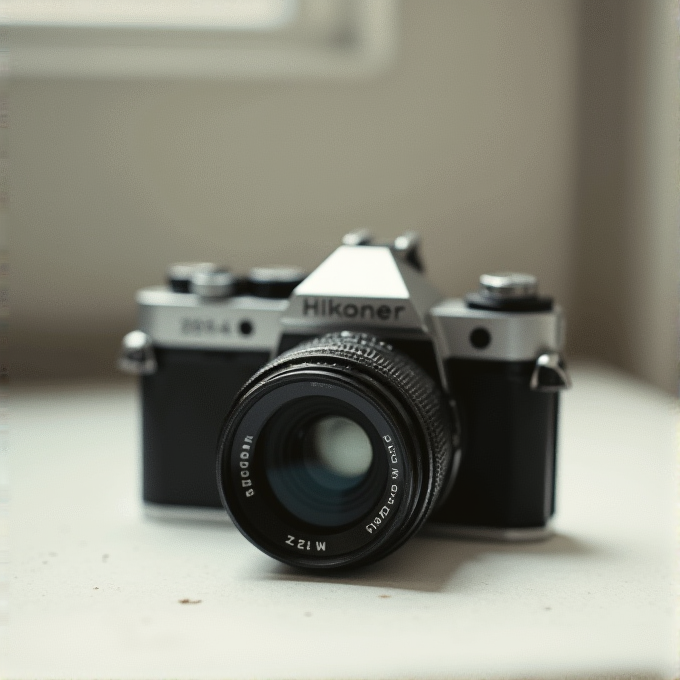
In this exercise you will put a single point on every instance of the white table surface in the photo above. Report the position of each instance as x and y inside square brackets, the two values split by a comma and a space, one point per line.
[95, 588]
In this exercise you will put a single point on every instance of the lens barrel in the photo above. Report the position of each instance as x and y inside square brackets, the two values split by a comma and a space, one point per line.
[335, 452]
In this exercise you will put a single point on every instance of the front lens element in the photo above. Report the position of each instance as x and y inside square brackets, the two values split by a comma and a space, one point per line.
[319, 461]
[341, 447]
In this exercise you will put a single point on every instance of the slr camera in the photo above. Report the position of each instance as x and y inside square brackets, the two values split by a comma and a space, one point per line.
[333, 414]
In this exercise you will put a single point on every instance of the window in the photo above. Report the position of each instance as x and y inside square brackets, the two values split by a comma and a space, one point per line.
[202, 38]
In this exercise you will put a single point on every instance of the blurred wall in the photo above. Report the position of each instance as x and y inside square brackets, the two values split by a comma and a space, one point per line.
[626, 273]
[474, 136]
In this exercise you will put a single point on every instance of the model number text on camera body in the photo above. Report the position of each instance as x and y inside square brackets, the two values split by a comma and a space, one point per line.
[196, 326]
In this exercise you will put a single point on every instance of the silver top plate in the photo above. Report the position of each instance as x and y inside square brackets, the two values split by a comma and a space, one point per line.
[513, 336]
[185, 320]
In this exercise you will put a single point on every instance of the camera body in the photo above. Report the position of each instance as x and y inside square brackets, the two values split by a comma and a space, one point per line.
[495, 355]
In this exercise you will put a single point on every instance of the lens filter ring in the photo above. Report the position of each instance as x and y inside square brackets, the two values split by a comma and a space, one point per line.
[334, 453]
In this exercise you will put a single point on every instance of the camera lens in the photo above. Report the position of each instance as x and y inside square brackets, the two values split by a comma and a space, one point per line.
[335, 452]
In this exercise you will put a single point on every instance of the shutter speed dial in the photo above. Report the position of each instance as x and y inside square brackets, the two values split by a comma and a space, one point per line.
[276, 282]
[508, 292]
[212, 283]
[508, 285]
[179, 274]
